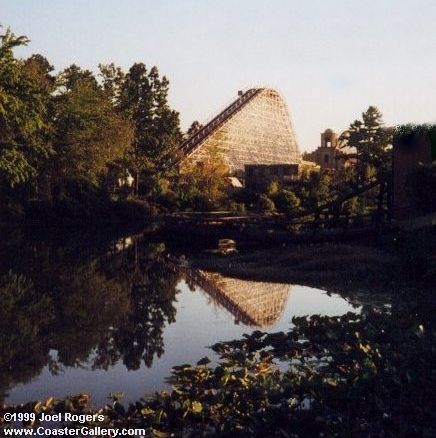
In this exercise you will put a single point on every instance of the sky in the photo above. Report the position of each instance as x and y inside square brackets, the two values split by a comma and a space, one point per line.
[329, 59]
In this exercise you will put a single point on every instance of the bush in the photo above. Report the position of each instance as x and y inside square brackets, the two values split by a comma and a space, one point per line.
[244, 196]
[236, 207]
[79, 199]
[131, 210]
[265, 204]
[273, 188]
[168, 200]
[286, 201]
[201, 202]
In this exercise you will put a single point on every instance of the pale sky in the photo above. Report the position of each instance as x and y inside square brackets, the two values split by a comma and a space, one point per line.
[330, 59]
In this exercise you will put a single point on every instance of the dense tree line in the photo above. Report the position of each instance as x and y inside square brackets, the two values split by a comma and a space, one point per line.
[64, 136]
[69, 141]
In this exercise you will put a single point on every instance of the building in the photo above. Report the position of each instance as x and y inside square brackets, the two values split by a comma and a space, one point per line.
[411, 153]
[258, 177]
[331, 155]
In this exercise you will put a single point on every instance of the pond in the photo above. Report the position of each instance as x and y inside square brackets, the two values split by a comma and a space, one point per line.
[87, 314]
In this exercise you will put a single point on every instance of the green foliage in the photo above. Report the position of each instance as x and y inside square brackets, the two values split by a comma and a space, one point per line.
[201, 202]
[203, 182]
[237, 207]
[195, 126]
[286, 201]
[273, 188]
[25, 88]
[131, 210]
[78, 199]
[112, 80]
[265, 204]
[244, 196]
[316, 190]
[143, 98]
[77, 125]
[90, 132]
[409, 129]
[372, 142]
[168, 200]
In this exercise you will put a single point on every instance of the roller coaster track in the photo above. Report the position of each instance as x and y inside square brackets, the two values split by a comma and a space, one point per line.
[197, 137]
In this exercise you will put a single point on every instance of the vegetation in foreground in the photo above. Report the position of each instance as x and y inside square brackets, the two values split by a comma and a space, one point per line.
[368, 374]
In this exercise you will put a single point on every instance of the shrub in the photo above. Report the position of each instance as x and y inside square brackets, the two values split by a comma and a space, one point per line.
[131, 210]
[168, 200]
[244, 196]
[273, 188]
[201, 202]
[79, 199]
[265, 204]
[237, 207]
[286, 201]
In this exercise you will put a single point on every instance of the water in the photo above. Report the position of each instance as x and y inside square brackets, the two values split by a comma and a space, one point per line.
[89, 315]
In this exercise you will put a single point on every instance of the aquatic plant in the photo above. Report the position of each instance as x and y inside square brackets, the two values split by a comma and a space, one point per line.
[368, 374]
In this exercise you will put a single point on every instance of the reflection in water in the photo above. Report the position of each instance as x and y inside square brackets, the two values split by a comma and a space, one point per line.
[80, 310]
[24, 321]
[252, 303]
[93, 312]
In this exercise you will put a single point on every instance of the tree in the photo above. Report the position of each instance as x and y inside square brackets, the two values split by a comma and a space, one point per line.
[25, 90]
[73, 75]
[316, 190]
[195, 126]
[205, 178]
[60, 130]
[90, 132]
[373, 143]
[144, 100]
[286, 201]
[112, 81]
[265, 204]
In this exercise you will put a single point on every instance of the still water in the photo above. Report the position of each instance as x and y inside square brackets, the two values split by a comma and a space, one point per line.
[98, 316]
